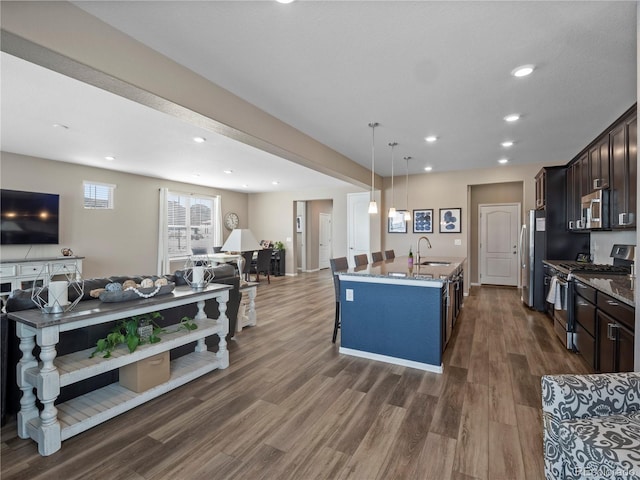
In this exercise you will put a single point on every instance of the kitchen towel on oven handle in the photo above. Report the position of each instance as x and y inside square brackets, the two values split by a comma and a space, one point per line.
[555, 293]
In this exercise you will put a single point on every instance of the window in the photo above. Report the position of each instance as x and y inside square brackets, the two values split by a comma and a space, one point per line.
[192, 222]
[98, 195]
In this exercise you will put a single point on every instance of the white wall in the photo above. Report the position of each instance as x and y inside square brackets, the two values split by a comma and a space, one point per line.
[122, 241]
[272, 217]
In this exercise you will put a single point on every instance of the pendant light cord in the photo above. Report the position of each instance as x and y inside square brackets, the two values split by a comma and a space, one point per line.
[373, 126]
[393, 192]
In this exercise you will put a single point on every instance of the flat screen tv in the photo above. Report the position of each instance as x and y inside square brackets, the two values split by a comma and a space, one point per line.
[28, 217]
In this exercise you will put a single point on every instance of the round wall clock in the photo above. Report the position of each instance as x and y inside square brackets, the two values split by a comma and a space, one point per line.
[231, 221]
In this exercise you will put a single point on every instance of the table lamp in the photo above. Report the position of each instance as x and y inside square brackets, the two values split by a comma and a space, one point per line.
[241, 240]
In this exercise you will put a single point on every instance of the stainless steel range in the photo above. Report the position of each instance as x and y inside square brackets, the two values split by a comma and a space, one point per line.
[559, 287]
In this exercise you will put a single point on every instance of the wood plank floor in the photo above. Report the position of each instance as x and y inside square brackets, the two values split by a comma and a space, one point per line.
[291, 407]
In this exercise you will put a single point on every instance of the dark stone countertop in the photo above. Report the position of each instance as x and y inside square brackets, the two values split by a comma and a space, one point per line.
[620, 287]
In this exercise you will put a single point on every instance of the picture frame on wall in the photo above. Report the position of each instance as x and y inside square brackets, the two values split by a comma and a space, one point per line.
[450, 220]
[299, 224]
[423, 221]
[397, 223]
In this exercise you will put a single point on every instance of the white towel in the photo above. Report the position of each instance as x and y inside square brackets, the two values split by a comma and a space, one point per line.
[555, 294]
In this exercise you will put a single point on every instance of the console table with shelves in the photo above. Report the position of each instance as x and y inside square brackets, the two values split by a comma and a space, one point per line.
[52, 424]
[21, 274]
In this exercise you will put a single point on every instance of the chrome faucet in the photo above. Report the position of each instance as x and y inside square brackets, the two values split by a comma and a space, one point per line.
[418, 246]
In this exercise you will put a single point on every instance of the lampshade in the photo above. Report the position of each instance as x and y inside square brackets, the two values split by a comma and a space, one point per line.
[241, 240]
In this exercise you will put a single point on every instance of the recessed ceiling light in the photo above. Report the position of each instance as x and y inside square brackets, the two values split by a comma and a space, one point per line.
[428, 169]
[512, 117]
[507, 144]
[285, 1]
[228, 171]
[245, 186]
[199, 139]
[431, 138]
[503, 161]
[59, 125]
[109, 157]
[275, 182]
[195, 174]
[522, 71]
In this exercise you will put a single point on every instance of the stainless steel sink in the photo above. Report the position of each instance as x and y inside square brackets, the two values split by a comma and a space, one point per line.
[436, 264]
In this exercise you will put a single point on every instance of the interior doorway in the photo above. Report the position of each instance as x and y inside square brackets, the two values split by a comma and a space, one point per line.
[358, 238]
[499, 228]
[313, 244]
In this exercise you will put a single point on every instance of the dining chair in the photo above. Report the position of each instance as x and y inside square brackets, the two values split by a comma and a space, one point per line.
[389, 254]
[337, 265]
[360, 259]
[263, 264]
[246, 269]
[376, 257]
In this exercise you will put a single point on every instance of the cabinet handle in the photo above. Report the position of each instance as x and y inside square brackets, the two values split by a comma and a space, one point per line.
[571, 225]
[610, 333]
[611, 302]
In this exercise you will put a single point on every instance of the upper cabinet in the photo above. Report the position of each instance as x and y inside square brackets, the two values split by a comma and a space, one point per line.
[599, 165]
[610, 164]
[624, 158]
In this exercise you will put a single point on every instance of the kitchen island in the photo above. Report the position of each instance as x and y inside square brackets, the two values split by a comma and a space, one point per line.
[401, 315]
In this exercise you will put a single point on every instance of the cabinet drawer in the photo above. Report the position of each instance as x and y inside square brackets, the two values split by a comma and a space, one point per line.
[585, 314]
[585, 291]
[619, 311]
[7, 271]
[586, 345]
[32, 269]
[62, 267]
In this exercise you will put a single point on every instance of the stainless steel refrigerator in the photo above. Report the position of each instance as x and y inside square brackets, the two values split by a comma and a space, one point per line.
[545, 237]
[526, 245]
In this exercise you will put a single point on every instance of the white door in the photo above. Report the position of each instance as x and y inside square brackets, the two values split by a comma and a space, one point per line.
[358, 225]
[324, 247]
[499, 229]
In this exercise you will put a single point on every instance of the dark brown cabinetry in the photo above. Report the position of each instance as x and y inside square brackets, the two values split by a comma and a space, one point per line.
[574, 195]
[599, 165]
[610, 164]
[584, 309]
[623, 147]
[604, 330]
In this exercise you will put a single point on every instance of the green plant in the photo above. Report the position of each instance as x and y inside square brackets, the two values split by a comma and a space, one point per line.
[127, 331]
[279, 246]
[187, 324]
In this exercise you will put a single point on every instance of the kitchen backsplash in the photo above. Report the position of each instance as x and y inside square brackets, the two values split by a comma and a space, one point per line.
[601, 243]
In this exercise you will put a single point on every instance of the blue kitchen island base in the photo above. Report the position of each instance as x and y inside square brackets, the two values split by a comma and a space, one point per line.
[397, 314]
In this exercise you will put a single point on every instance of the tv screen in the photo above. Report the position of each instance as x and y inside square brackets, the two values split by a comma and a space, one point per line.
[28, 217]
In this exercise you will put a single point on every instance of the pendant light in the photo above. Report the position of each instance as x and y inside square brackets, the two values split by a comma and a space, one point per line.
[407, 214]
[392, 210]
[373, 206]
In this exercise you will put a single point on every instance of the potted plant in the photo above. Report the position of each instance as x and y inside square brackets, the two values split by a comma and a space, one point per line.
[132, 331]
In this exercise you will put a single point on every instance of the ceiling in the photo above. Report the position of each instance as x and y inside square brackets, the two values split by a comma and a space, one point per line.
[328, 68]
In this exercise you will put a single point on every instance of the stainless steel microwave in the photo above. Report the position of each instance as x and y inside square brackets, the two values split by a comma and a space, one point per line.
[595, 211]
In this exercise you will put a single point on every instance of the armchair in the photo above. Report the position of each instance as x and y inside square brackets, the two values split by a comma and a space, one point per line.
[591, 426]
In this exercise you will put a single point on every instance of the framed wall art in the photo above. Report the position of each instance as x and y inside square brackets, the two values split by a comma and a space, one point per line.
[450, 221]
[423, 221]
[397, 223]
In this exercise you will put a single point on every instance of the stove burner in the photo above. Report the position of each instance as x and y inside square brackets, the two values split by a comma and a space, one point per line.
[575, 267]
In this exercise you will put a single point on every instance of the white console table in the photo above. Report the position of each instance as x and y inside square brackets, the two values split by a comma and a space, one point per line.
[20, 274]
[247, 315]
[53, 424]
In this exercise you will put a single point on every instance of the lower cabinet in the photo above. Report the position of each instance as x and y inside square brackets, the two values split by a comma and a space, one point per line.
[604, 330]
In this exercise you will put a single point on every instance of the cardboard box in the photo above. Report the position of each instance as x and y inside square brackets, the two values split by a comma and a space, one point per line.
[147, 373]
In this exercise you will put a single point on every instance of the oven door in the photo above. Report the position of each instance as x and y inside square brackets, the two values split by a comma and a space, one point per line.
[560, 314]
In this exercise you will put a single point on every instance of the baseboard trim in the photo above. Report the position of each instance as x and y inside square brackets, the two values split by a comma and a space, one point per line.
[427, 367]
